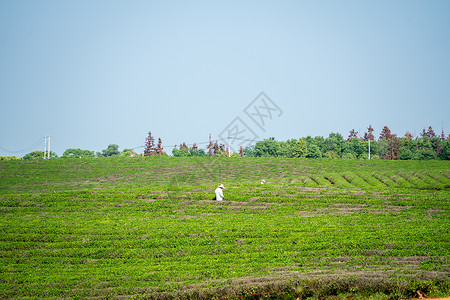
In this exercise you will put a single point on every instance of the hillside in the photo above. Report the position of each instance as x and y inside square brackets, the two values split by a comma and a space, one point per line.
[147, 228]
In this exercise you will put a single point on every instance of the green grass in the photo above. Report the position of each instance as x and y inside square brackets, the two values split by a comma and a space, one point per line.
[147, 228]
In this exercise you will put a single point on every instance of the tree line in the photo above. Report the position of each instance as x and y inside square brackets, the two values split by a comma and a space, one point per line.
[428, 145]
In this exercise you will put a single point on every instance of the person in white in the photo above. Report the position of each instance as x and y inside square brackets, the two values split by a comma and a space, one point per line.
[219, 193]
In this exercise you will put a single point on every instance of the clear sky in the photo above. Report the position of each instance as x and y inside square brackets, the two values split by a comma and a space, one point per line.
[94, 73]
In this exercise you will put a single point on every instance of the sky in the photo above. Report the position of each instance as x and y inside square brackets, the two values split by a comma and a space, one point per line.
[93, 73]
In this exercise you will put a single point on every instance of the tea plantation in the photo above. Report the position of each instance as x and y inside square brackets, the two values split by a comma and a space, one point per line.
[147, 228]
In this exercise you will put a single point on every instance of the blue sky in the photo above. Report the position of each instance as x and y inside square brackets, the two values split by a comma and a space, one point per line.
[94, 73]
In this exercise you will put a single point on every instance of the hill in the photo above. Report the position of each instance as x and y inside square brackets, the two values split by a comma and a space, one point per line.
[147, 228]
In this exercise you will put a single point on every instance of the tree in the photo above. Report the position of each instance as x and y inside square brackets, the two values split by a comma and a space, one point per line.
[249, 151]
[313, 151]
[408, 135]
[180, 152]
[159, 148]
[222, 154]
[405, 154]
[216, 149]
[128, 152]
[266, 148]
[39, 154]
[385, 133]
[445, 153]
[405, 147]
[300, 149]
[7, 158]
[353, 134]
[210, 147]
[149, 145]
[429, 133]
[185, 151]
[355, 147]
[285, 148]
[334, 142]
[112, 150]
[393, 144]
[368, 136]
[77, 153]
[196, 152]
[235, 154]
[349, 156]
[331, 155]
[184, 147]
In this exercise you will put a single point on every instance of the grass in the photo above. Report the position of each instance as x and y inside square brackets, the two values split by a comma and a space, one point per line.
[147, 228]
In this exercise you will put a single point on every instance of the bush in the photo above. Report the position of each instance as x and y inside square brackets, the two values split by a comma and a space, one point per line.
[331, 154]
[364, 156]
[6, 158]
[314, 151]
[406, 154]
[349, 156]
[77, 153]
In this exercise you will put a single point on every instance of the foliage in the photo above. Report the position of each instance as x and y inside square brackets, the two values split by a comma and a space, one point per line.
[349, 155]
[445, 154]
[235, 154]
[300, 149]
[149, 148]
[112, 150]
[331, 155]
[128, 152]
[5, 158]
[184, 151]
[77, 153]
[249, 151]
[222, 154]
[335, 142]
[266, 148]
[39, 154]
[313, 151]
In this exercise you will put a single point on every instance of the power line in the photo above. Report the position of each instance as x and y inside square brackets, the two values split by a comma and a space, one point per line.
[23, 150]
[204, 143]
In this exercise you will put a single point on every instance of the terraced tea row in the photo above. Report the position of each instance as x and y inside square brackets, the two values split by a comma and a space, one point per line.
[375, 227]
[421, 180]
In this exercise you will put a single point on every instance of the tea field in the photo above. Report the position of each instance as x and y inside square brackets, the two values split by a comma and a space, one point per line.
[147, 228]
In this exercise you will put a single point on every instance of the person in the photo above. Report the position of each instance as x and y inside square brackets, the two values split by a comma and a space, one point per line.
[263, 181]
[219, 193]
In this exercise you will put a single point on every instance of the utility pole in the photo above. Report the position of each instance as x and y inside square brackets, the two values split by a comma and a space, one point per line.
[229, 149]
[369, 149]
[48, 155]
[47, 147]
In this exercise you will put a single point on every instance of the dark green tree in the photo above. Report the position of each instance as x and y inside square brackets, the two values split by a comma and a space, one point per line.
[266, 148]
[38, 154]
[313, 151]
[77, 153]
[445, 153]
[355, 147]
[128, 152]
[334, 142]
[285, 148]
[249, 151]
[112, 150]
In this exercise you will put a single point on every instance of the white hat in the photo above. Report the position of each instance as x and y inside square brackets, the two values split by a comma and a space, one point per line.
[221, 186]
